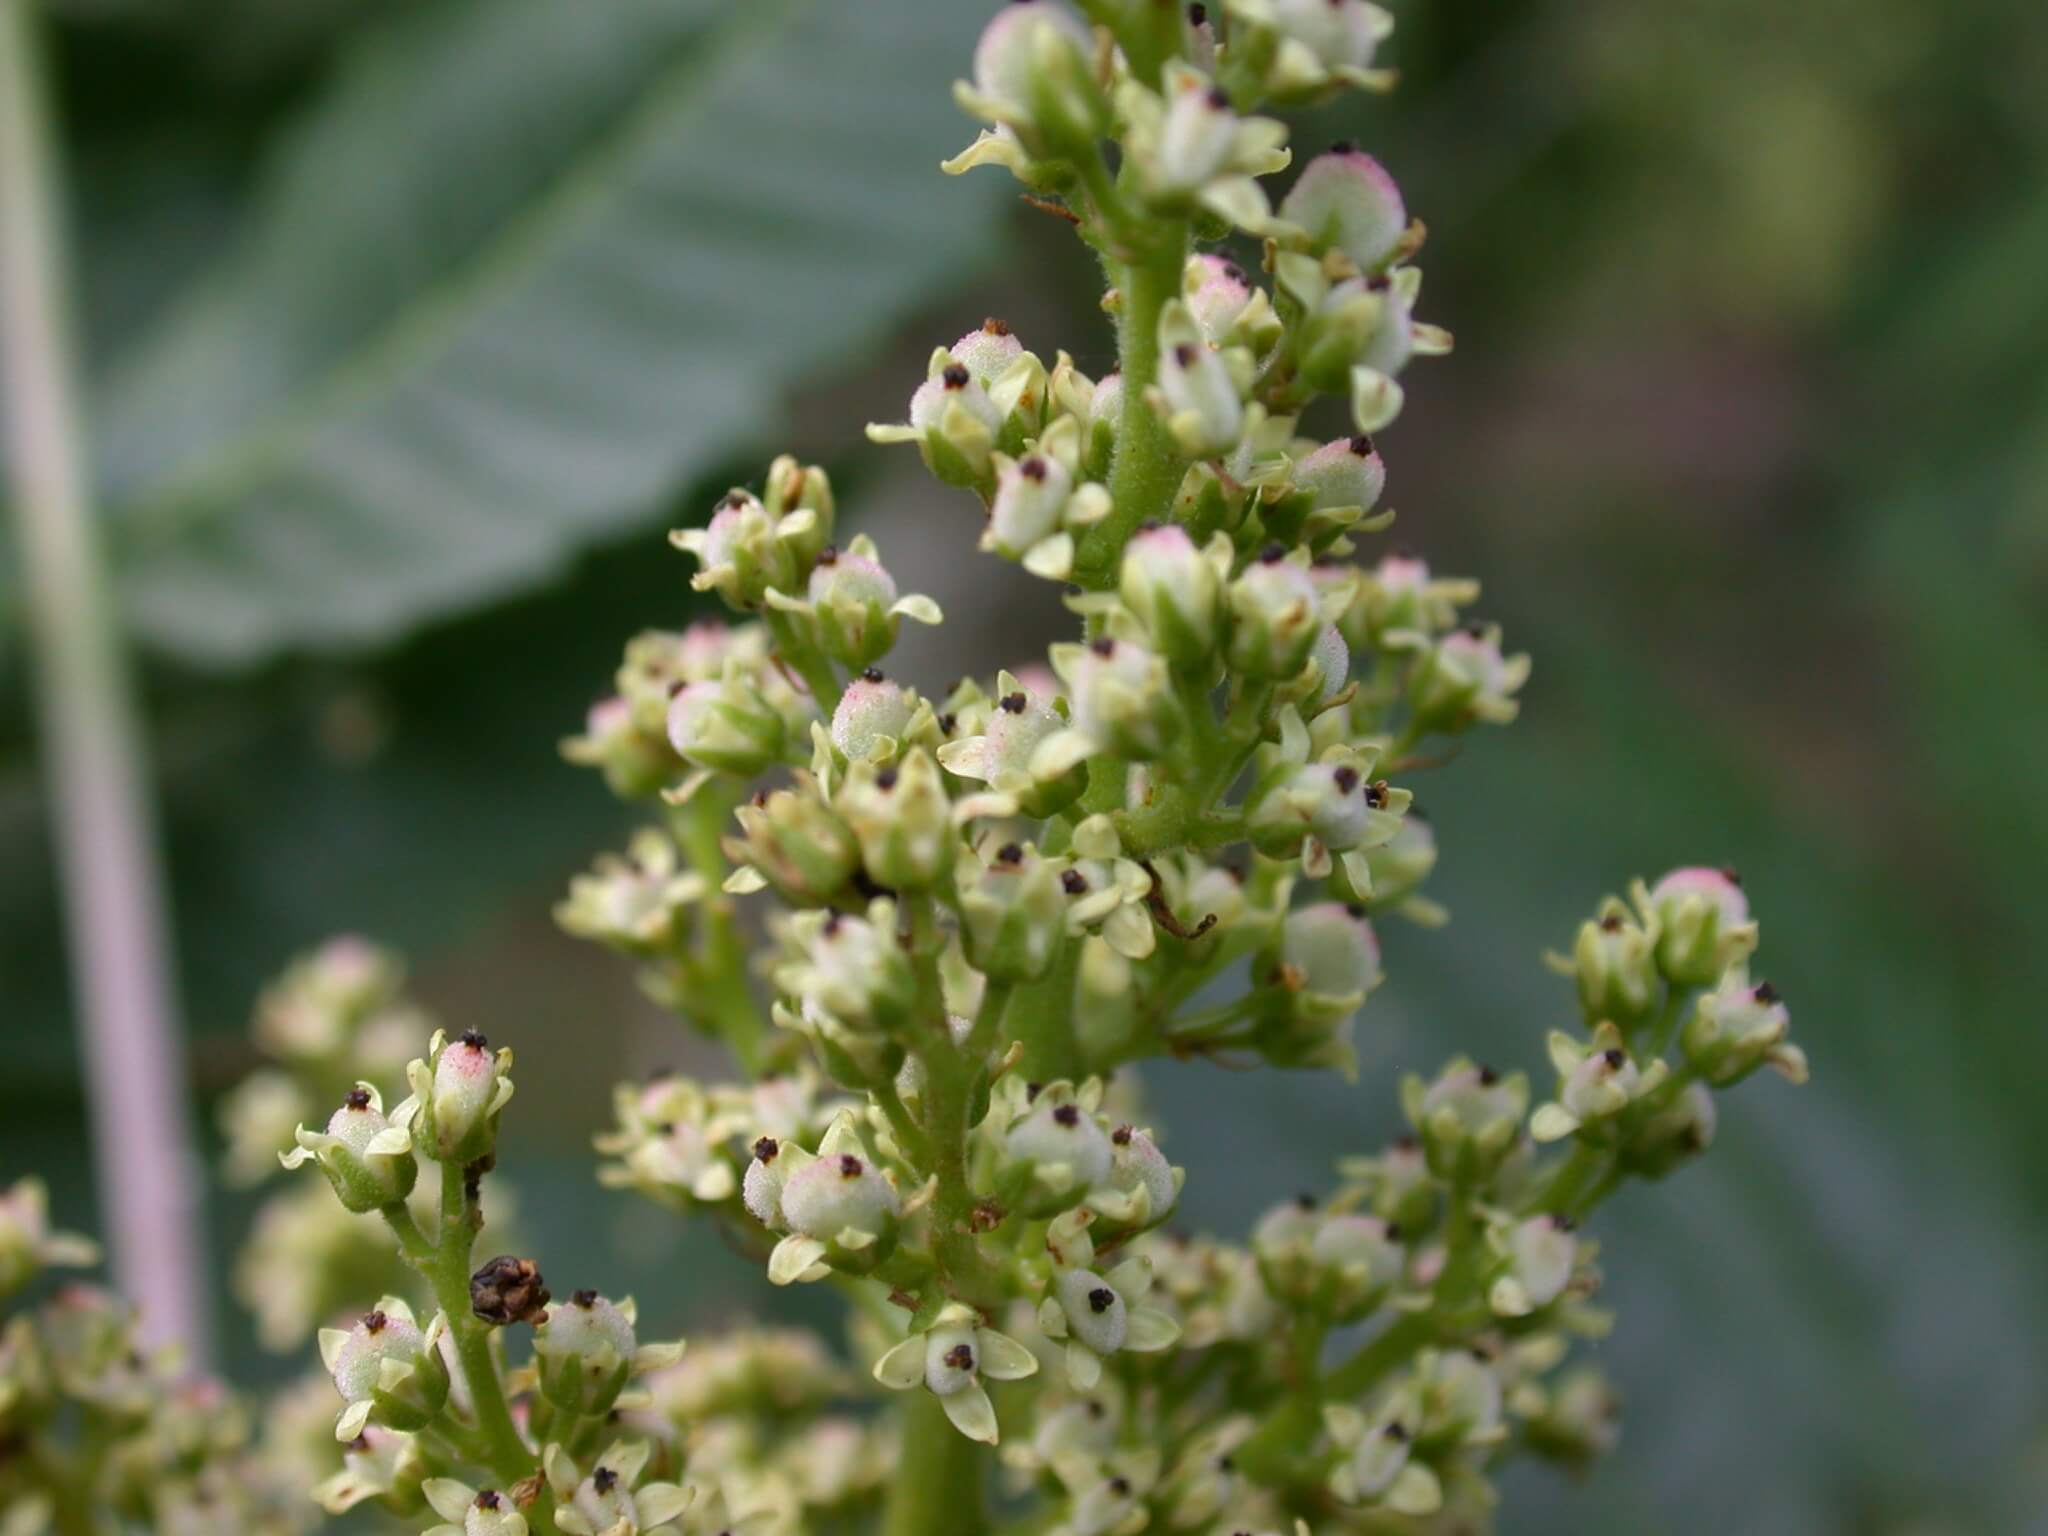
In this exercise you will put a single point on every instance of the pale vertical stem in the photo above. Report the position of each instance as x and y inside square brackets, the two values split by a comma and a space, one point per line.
[93, 751]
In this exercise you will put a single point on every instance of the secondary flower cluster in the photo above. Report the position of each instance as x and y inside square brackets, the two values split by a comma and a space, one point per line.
[936, 927]
[1172, 836]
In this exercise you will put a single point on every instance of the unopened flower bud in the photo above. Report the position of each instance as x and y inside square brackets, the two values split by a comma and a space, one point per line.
[740, 552]
[1614, 963]
[955, 424]
[385, 1368]
[1173, 589]
[852, 596]
[1403, 863]
[1738, 1027]
[797, 844]
[726, 727]
[852, 967]
[1465, 679]
[1346, 473]
[1358, 1259]
[1143, 1187]
[1196, 139]
[368, 1160]
[1703, 924]
[1328, 960]
[1031, 495]
[1063, 1148]
[1675, 1134]
[903, 820]
[1275, 616]
[987, 351]
[1467, 1119]
[1537, 1258]
[1217, 292]
[1121, 695]
[842, 1200]
[470, 1085]
[585, 1352]
[1013, 913]
[1345, 199]
[1199, 396]
[873, 713]
[1031, 65]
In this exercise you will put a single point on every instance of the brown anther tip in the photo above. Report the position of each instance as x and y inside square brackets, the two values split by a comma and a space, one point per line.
[733, 499]
[1488, 1077]
[1346, 780]
[1013, 703]
[1396, 1430]
[1393, 1231]
[1032, 469]
[886, 779]
[960, 1357]
[829, 555]
[585, 1299]
[1611, 923]
[487, 1498]
[955, 376]
[1765, 993]
[1615, 1058]
[1728, 874]
[1342, 146]
[947, 723]
[871, 674]
[1119, 1486]
[1218, 98]
[473, 1040]
[766, 1149]
[851, 1167]
[1102, 645]
[1067, 1115]
[1304, 1202]
[1101, 1299]
[604, 1479]
[994, 327]
[1009, 853]
[1273, 554]
[1198, 15]
[373, 1322]
[1073, 882]
[358, 1098]
[1032, 1091]
[1362, 446]
[1121, 1135]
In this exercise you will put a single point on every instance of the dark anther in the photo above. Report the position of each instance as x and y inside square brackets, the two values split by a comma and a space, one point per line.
[1121, 1135]
[832, 923]
[1765, 993]
[1488, 1077]
[373, 1322]
[1184, 355]
[871, 674]
[604, 1479]
[1032, 469]
[886, 779]
[1120, 1486]
[1009, 853]
[1393, 1231]
[960, 1357]
[1396, 1430]
[1198, 15]
[1067, 1115]
[487, 1498]
[1305, 1202]
[1032, 1091]
[766, 1149]
[1013, 703]
[1357, 909]
[734, 499]
[1730, 876]
[1611, 923]
[946, 724]
[994, 327]
[851, 1167]
[1102, 645]
[829, 555]
[955, 376]
[585, 1299]
[507, 1290]
[358, 1098]
[474, 1040]
[1379, 282]
[1615, 1058]
[1218, 98]
[1376, 793]
[1346, 780]
[1343, 146]
[1272, 554]
[1073, 882]
[1362, 446]
[1101, 1299]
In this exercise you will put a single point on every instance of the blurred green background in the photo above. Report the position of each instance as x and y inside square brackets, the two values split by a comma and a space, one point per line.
[411, 326]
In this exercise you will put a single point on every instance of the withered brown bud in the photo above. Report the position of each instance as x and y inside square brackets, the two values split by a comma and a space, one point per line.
[508, 1290]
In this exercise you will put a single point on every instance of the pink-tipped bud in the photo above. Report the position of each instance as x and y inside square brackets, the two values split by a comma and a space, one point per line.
[1345, 199]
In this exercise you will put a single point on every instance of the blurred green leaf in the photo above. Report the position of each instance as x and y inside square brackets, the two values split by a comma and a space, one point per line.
[521, 272]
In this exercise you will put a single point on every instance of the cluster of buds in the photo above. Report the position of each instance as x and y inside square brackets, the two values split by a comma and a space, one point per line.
[1177, 835]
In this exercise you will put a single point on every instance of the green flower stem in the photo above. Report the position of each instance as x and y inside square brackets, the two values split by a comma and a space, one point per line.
[721, 997]
[1574, 1176]
[1041, 1019]
[448, 1272]
[1148, 466]
[936, 1489]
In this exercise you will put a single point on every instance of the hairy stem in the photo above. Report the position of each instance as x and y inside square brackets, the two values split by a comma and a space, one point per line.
[95, 758]
[936, 1489]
